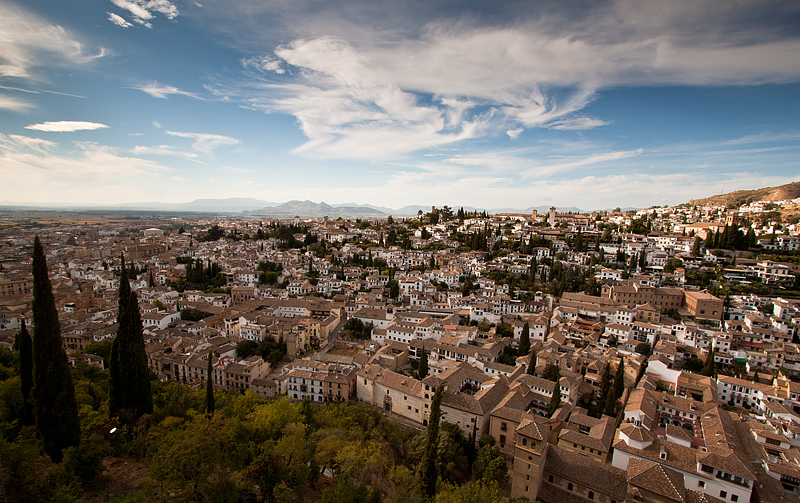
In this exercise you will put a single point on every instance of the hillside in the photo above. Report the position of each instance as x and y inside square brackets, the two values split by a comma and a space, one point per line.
[739, 197]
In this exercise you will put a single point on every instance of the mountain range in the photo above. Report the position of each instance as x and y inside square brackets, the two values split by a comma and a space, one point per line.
[257, 207]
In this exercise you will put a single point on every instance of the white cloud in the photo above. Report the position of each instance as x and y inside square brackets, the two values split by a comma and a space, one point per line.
[13, 104]
[37, 170]
[14, 143]
[28, 43]
[206, 143]
[160, 91]
[66, 126]
[142, 10]
[549, 169]
[577, 123]
[166, 150]
[427, 81]
[118, 20]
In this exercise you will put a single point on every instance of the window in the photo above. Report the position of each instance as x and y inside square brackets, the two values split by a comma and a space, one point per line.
[701, 484]
[570, 486]
[550, 478]
[734, 497]
[524, 441]
[591, 495]
[723, 494]
[503, 426]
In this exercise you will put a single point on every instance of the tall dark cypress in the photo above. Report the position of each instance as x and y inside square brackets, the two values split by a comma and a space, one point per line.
[532, 363]
[209, 386]
[129, 380]
[422, 373]
[429, 457]
[525, 339]
[619, 380]
[25, 347]
[53, 394]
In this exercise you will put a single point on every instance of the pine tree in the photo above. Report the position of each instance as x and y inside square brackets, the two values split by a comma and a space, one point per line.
[428, 465]
[129, 382]
[525, 339]
[423, 364]
[25, 347]
[53, 393]
[209, 386]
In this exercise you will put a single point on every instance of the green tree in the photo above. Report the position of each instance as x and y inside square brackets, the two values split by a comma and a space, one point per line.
[619, 380]
[428, 465]
[394, 289]
[532, 363]
[605, 382]
[129, 377]
[490, 466]
[210, 386]
[551, 372]
[610, 406]
[55, 409]
[525, 339]
[696, 247]
[555, 401]
[422, 372]
[710, 368]
[25, 348]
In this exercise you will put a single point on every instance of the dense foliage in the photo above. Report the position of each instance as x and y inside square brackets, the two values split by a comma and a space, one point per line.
[250, 449]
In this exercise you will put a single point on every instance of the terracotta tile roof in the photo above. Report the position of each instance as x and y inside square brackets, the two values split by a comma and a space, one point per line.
[595, 475]
[656, 478]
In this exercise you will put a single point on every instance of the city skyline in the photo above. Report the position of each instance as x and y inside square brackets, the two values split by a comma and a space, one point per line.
[590, 105]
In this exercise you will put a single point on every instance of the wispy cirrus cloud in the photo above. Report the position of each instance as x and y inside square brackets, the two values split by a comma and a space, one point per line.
[29, 44]
[13, 104]
[428, 80]
[206, 143]
[17, 143]
[142, 11]
[66, 126]
[164, 150]
[157, 90]
[577, 123]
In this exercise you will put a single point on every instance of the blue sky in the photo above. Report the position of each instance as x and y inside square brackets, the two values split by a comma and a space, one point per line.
[488, 104]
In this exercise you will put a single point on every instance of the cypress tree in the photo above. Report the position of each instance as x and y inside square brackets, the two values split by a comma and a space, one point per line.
[711, 368]
[129, 383]
[610, 405]
[431, 445]
[525, 339]
[532, 363]
[555, 401]
[55, 409]
[25, 347]
[619, 380]
[696, 247]
[209, 387]
[423, 364]
[605, 382]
